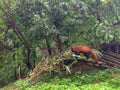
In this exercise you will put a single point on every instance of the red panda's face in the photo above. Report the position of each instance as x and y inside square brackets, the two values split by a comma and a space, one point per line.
[72, 48]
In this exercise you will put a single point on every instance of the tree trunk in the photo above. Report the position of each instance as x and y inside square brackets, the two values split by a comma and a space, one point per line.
[58, 25]
[27, 61]
[21, 38]
[19, 71]
[34, 56]
[48, 46]
[15, 73]
[59, 43]
[15, 28]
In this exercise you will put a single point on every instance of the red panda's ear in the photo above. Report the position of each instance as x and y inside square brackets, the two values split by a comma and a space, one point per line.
[71, 47]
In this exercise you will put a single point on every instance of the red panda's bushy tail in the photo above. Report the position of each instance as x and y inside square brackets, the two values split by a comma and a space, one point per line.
[94, 55]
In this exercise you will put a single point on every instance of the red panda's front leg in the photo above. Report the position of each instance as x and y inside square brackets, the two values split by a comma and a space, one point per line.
[86, 55]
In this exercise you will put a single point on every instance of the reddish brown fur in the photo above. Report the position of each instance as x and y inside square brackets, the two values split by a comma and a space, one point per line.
[84, 49]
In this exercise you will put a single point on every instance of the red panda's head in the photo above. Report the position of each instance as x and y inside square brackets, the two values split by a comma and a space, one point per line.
[72, 48]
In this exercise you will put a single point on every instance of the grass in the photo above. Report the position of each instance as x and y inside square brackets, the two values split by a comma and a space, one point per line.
[95, 80]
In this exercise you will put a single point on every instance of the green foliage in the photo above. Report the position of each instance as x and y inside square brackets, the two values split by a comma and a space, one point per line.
[82, 22]
[8, 64]
[97, 80]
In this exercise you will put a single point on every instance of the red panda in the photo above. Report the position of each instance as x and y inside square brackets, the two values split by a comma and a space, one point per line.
[85, 50]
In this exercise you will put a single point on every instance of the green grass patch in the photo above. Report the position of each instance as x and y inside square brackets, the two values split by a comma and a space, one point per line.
[96, 80]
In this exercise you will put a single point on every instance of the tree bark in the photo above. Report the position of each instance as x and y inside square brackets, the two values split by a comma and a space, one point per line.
[48, 47]
[59, 43]
[21, 38]
[15, 28]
